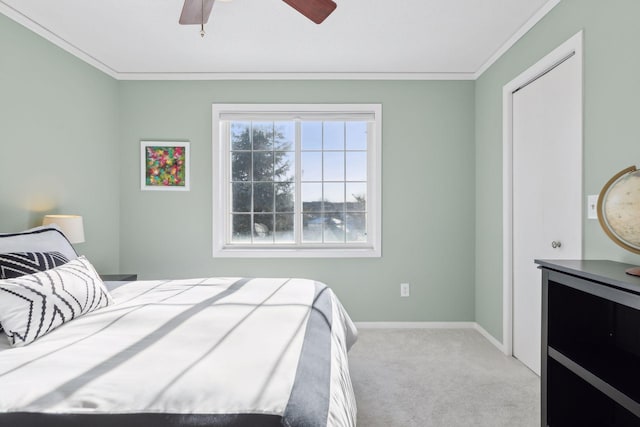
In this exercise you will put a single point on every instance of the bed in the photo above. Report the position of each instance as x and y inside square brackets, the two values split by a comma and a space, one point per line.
[197, 352]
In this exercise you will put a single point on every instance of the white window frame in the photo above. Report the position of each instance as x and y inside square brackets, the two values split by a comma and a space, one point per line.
[221, 197]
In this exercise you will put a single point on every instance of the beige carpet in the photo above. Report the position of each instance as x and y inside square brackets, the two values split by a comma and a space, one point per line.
[440, 378]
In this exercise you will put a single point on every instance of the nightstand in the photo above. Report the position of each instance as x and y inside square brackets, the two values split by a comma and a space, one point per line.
[119, 277]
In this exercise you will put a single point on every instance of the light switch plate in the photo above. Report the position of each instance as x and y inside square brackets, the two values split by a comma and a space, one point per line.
[404, 290]
[592, 206]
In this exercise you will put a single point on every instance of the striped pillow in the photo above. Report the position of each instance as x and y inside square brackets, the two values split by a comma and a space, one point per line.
[35, 304]
[18, 264]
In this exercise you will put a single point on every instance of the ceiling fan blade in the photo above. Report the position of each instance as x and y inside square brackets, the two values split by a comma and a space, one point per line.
[194, 11]
[316, 10]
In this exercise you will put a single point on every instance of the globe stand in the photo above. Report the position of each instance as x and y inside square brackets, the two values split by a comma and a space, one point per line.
[635, 271]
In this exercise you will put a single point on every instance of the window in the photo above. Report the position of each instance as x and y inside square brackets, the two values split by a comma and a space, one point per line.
[296, 180]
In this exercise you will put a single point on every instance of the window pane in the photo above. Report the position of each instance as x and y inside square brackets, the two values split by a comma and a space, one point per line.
[333, 136]
[263, 228]
[312, 166]
[284, 134]
[240, 135]
[263, 135]
[241, 166]
[241, 228]
[334, 166]
[285, 197]
[356, 166]
[299, 183]
[333, 197]
[356, 135]
[241, 197]
[263, 166]
[285, 166]
[334, 227]
[311, 135]
[356, 227]
[311, 197]
[356, 197]
[284, 228]
[263, 197]
[312, 225]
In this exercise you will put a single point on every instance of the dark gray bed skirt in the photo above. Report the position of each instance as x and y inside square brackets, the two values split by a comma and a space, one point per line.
[30, 419]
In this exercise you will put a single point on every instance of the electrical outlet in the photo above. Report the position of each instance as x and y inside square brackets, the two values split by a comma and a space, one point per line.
[404, 289]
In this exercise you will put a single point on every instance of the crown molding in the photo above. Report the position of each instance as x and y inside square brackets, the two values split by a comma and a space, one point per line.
[541, 13]
[48, 35]
[295, 76]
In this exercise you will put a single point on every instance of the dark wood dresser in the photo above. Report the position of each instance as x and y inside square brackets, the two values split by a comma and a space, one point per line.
[590, 344]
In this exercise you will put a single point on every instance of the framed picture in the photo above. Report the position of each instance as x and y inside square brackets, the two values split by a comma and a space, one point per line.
[164, 165]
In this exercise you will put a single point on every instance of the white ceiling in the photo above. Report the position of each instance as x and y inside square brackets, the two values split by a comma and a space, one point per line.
[142, 38]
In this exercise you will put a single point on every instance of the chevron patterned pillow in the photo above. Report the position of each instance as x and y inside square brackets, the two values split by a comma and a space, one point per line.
[35, 304]
[18, 264]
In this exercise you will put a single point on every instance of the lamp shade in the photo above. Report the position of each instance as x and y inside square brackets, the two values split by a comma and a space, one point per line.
[70, 225]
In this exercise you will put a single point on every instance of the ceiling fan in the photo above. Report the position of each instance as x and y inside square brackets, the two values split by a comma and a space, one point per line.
[197, 12]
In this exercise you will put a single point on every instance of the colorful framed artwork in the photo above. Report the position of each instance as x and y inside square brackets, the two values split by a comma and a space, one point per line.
[164, 165]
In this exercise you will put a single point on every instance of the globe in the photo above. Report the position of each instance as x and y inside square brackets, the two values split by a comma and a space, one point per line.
[619, 210]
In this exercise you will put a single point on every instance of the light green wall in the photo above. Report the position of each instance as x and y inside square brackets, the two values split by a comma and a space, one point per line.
[428, 195]
[68, 131]
[69, 140]
[58, 141]
[611, 137]
[70, 144]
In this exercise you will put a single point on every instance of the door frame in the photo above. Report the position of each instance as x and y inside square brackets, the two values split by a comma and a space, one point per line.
[572, 47]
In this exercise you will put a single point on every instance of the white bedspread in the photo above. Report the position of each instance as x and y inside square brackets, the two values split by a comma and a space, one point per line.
[202, 346]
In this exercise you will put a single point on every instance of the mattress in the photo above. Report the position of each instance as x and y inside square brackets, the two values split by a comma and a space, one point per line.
[199, 352]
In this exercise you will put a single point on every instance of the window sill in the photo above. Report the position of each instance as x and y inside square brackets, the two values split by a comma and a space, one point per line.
[291, 252]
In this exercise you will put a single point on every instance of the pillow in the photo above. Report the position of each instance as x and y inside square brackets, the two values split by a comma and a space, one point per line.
[21, 263]
[18, 264]
[39, 239]
[32, 305]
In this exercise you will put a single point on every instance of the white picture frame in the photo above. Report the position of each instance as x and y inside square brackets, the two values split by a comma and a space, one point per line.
[164, 166]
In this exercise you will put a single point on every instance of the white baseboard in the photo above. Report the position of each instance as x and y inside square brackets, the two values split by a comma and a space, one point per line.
[414, 325]
[432, 325]
[490, 338]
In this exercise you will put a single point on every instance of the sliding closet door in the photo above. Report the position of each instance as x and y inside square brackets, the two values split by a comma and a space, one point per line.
[547, 192]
